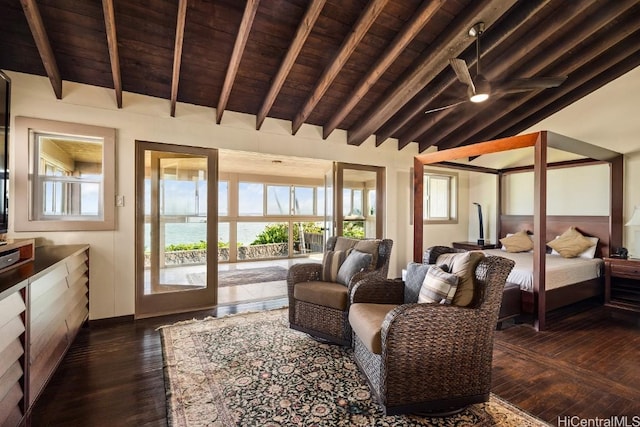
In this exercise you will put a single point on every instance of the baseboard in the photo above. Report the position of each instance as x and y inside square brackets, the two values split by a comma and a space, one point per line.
[111, 321]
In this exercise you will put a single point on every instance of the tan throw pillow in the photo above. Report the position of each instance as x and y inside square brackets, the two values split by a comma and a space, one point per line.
[438, 286]
[464, 266]
[369, 247]
[518, 242]
[331, 264]
[571, 243]
[344, 243]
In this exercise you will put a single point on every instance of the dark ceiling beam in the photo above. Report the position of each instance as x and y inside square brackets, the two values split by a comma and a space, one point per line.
[39, 34]
[238, 49]
[112, 41]
[420, 17]
[429, 65]
[177, 54]
[365, 21]
[490, 41]
[492, 118]
[304, 29]
[507, 62]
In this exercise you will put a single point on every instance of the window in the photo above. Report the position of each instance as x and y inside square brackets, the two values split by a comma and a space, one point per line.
[303, 201]
[65, 176]
[352, 202]
[278, 199]
[440, 197]
[223, 198]
[250, 199]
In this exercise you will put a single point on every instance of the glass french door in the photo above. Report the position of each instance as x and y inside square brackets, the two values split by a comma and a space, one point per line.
[359, 201]
[176, 219]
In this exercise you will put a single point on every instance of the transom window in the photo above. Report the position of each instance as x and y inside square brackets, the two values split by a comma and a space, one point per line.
[279, 200]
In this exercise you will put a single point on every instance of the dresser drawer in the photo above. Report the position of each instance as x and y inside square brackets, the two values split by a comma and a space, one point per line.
[627, 269]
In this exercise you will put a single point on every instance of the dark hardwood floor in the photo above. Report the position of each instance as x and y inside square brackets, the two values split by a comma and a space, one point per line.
[587, 364]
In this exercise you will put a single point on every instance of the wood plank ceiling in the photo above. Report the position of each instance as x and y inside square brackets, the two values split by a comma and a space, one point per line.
[368, 67]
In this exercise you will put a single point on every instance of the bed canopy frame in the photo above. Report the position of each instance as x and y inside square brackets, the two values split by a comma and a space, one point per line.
[610, 229]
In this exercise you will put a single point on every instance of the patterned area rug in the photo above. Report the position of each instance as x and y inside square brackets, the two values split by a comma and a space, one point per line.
[243, 276]
[252, 370]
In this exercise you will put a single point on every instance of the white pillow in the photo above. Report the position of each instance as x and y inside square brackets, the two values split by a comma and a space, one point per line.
[590, 253]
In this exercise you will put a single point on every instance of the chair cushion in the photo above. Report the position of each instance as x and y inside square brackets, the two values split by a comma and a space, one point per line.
[370, 246]
[438, 286]
[326, 294]
[331, 263]
[344, 243]
[464, 266]
[366, 321]
[356, 261]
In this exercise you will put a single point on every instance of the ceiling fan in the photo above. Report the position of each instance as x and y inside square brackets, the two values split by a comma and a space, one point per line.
[480, 89]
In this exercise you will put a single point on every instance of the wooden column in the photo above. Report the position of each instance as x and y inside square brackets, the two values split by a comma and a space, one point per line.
[539, 227]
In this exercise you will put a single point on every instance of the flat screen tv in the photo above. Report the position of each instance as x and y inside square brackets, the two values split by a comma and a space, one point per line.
[5, 102]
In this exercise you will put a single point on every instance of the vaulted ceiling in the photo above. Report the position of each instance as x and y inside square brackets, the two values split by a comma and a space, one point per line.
[370, 67]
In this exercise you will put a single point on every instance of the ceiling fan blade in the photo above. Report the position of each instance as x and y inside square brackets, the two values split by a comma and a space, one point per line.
[462, 71]
[434, 110]
[523, 85]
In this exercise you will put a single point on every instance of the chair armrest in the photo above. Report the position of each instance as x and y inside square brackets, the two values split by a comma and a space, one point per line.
[435, 325]
[444, 346]
[374, 289]
[302, 273]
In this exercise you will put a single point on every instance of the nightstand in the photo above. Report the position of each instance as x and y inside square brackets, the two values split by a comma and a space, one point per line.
[622, 284]
[473, 246]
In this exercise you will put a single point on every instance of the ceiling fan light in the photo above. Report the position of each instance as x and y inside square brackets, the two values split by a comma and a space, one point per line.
[479, 97]
[482, 90]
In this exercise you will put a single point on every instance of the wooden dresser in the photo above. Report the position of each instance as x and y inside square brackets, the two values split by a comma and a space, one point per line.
[43, 304]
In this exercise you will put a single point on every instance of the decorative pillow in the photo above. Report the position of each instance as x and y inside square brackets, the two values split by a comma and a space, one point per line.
[356, 262]
[369, 246]
[590, 253]
[438, 286]
[571, 243]
[331, 264]
[344, 243]
[518, 242]
[416, 272]
[464, 266]
[511, 234]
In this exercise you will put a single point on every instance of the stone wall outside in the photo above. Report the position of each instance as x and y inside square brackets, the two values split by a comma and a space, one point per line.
[177, 258]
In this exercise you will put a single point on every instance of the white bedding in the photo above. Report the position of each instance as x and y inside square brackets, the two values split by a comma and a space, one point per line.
[560, 271]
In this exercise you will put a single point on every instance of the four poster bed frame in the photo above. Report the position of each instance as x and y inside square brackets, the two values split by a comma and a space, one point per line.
[545, 228]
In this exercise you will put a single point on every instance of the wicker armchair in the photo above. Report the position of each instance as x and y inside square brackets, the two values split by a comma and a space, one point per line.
[325, 314]
[431, 358]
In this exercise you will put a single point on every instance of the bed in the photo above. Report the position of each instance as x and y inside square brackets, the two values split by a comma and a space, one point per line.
[537, 299]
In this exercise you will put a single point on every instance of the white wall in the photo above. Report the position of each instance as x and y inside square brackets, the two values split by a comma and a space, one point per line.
[581, 190]
[147, 118]
[607, 117]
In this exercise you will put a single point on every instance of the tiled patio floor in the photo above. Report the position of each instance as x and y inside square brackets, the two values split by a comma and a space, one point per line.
[239, 293]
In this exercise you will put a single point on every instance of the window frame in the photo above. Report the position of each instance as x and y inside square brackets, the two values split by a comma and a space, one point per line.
[25, 195]
[452, 194]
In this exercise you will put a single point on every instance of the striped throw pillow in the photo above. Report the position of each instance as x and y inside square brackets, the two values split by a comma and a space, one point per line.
[331, 264]
[438, 286]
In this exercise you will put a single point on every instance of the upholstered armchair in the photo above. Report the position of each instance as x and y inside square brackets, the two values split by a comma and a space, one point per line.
[428, 357]
[318, 302]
